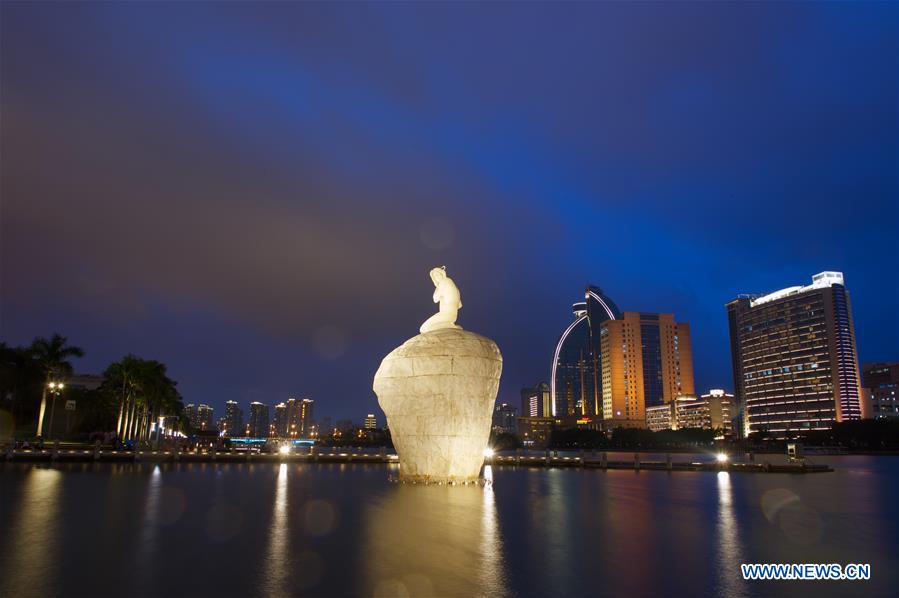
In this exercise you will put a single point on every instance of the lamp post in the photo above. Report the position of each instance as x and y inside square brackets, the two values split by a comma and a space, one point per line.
[55, 390]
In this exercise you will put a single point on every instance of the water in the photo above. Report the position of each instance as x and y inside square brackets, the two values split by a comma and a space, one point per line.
[345, 530]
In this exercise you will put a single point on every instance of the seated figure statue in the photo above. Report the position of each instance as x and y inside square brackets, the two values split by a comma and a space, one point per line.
[446, 293]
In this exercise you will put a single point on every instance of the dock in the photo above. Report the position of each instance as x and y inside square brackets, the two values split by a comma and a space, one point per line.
[548, 459]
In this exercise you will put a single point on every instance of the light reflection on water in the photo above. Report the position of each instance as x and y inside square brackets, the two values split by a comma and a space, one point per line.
[279, 530]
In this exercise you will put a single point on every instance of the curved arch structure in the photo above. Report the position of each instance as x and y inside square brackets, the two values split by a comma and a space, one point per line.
[578, 351]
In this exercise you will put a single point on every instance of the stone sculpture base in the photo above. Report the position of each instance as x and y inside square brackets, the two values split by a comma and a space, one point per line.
[437, 390]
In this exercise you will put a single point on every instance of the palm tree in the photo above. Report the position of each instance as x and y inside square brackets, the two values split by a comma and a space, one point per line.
[124, 376]
[146, 393]
[52, 355]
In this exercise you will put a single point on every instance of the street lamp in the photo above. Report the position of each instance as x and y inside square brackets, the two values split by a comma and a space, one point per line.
[55, 390]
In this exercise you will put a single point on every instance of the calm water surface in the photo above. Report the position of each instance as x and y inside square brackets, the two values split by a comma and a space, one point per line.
[345, 530]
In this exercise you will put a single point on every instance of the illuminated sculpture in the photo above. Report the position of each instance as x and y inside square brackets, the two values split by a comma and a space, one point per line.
[437, 390]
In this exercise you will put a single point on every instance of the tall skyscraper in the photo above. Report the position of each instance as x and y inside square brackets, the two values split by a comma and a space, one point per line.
[279, 421]
[881, 380]
[299, 417]
[794, 357]
[647, 361]
[233, 420]
[576, 379]
[258, 424]
[205, 418]
[371, 422]
[190, 413]
[536, 401]
[306, 416]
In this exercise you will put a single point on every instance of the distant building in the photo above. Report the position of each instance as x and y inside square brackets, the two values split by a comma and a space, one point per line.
[536, 401]
[279, 421]
[205, 418]
[190, 413]
[299, 417]
[371, 422]
[576, 379]
[257, 427]
[504, 418]
[233, 420]
[647, 361]
[665, 416]
[306, 417]
[84, 382]
[535, 431]
[794, 358]
[881, 380]
[711, 411]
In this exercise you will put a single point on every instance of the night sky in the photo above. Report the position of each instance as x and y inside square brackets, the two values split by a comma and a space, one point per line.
[254, 193]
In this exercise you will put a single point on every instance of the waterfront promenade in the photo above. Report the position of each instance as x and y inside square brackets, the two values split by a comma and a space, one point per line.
[583, 459]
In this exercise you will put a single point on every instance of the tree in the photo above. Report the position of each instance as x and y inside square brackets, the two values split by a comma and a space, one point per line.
[52, 356]
[145, 393]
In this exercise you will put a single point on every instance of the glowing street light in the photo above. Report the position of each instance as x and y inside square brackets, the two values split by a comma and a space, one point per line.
[488, 453]
[722, 457]
[285, 449]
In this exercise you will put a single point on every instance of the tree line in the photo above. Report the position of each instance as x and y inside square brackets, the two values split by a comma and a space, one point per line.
[134, 393]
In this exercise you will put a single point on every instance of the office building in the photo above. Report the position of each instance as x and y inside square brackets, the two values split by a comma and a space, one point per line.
[504, 418]
[536, 401]
[299, 417]
[647, 361]
[233, 420]
[794, 358]
[535, 432]
[576, 380]
[279, 421]
[205, 418]
[257, 426]
[881, 381]
[371, 422]
[190, 414]
[711, 411]
[664, 416]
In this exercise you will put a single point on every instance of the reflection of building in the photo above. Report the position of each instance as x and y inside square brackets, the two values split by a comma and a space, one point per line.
[536, 401]
[371, 422]
[576, 380]
[881, 380]
[279, 421]
[205, 419]
[257, 426]
[794, 357]
[646, 361]
[233, 419]
[535, 431]
[504, 418]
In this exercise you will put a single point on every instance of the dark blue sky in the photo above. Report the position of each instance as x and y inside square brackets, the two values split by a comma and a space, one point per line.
[254, 193]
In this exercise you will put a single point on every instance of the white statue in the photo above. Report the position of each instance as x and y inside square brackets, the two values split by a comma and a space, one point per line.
[446, 293]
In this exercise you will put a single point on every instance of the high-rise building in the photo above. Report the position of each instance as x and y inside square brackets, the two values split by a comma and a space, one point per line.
[794, 358]
[205, 418]
[371, 422]
[233, 420]
[306, 420]
[647, 361]
[576, 379]
[504, 418]
[257, 427]
[279, 421]
[881, 380]
[536, 401]
[190, 414]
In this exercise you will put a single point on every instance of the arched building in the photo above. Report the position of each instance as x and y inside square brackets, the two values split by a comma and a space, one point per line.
[576, 378]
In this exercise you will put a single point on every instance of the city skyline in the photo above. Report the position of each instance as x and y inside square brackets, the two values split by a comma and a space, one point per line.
[291, 204]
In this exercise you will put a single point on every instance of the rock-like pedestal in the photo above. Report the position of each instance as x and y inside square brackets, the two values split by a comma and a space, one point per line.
[437, 390]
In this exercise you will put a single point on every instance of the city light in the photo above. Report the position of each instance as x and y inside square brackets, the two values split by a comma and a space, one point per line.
[488, 452]
[285, 449]
[722, 457]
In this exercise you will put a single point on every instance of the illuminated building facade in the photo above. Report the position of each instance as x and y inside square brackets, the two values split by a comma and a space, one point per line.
[205, 418]
[233, 419]
[881, 381]
[299, 418]
[794, 358]
[536, 401]
[257, 426]
[647, 361]
[576, 380]
[371, 422]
